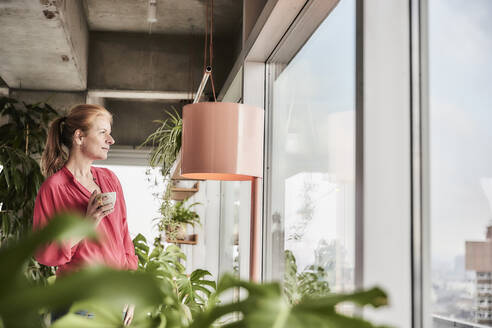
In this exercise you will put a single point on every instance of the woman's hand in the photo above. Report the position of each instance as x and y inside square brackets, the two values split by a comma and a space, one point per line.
[129, 310]
[96, 210]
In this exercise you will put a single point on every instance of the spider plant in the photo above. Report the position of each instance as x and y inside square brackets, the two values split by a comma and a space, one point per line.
[165, 141]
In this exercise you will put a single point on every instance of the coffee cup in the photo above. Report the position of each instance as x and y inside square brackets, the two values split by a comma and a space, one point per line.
[106, 198]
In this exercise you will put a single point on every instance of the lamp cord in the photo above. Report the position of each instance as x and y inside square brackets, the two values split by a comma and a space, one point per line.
[209, 35]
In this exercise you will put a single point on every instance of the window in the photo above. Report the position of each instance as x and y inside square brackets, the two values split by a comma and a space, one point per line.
[460, 120]
[140, 186]
[311, 163]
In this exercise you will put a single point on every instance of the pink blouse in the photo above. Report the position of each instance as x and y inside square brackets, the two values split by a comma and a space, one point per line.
[62, 192]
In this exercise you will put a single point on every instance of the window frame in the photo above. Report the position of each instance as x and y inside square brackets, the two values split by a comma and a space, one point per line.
[306, 23]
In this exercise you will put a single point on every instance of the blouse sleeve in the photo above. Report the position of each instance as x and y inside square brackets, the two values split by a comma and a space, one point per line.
[55, 253]
[131, 258]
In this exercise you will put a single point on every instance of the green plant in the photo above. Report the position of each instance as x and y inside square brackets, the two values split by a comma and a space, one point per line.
[166, 141]
[311, 282]
[22, 140]
[176, 218]
[185, 295]
[161, 288]
[20, 302]
[183, 214]
[265, 307]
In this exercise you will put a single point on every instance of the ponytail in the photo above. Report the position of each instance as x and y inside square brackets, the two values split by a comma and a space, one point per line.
[61, 133]
[54, 156]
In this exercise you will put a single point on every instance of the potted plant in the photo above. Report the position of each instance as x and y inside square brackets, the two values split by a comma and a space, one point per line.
[174, 222]
[165, 141]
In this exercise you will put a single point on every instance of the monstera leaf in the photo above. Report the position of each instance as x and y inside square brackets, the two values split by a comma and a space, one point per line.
[170, 258]
[195, 290]
[165, 265]
[266, 307]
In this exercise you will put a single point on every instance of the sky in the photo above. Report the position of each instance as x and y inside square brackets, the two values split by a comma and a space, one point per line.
[460, 76]
[460, 79]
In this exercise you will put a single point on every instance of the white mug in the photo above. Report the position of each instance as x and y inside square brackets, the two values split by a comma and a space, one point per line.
[106, 198]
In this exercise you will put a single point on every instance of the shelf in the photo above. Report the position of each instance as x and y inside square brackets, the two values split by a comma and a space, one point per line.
[180, 194]
[191, 240]
[178, 189]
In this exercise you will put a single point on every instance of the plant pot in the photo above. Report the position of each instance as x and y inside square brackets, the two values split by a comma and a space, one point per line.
[189, 240]
[178, 232]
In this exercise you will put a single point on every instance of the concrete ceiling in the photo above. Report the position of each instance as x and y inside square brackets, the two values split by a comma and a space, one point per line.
[173, 16]
[36, 48]
[45, 43]
[67, 52]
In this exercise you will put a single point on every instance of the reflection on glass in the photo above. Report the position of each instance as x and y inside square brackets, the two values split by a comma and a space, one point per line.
[460, 70]
[313, 161]
[229, 227]
[229, 249]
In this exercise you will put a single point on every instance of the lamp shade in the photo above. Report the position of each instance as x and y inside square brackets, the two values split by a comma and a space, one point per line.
[222, 141]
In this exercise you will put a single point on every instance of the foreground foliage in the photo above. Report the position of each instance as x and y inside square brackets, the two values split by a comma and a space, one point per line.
[164, 294]
[21, 302]
[265, 306]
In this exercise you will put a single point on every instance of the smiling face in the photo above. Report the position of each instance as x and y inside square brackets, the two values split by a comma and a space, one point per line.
[95, 143]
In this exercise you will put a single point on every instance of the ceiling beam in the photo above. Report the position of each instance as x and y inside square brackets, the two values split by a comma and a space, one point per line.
[138, 94]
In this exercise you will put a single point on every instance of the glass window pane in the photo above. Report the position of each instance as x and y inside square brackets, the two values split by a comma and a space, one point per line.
[313, 156]
[460, 48]
[142, 187]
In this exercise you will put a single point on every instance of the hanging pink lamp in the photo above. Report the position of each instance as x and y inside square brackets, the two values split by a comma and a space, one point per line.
[222, 141]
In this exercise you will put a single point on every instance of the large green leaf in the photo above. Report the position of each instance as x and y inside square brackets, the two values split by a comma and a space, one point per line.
[105, 315]
[141, 250]
[195, 290]
[62, 227]
[20, 302]
[266, 307]
[95, 282]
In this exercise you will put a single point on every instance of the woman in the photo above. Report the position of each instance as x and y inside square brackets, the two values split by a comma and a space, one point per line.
[74, 142]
